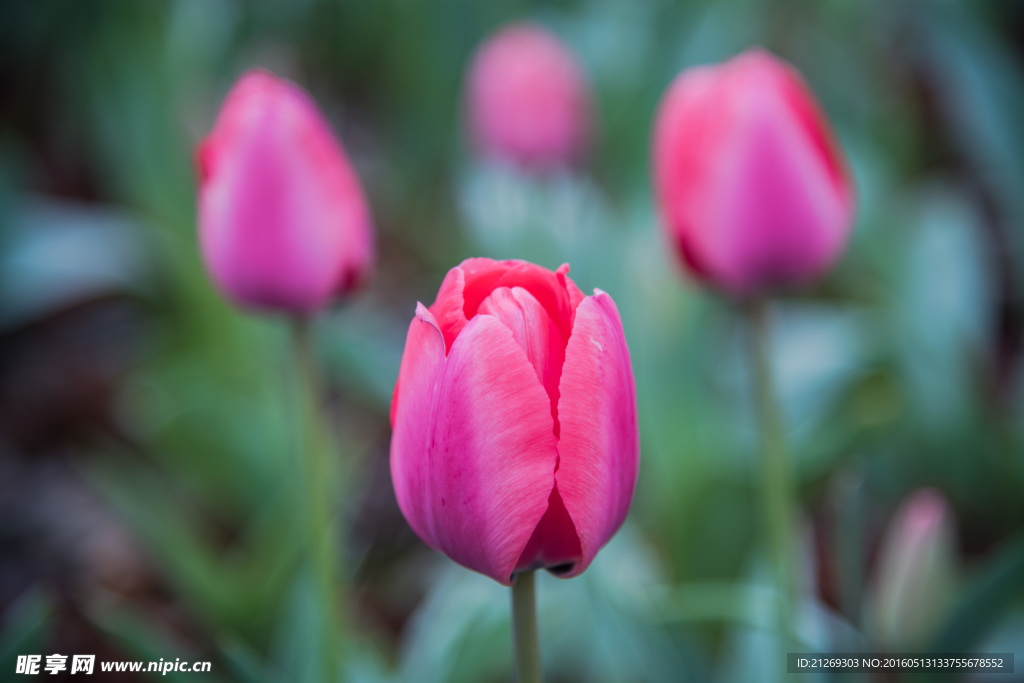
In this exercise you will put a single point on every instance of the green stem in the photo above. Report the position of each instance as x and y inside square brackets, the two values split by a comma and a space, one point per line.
[524, 624]
[777, 488]
[318, 492]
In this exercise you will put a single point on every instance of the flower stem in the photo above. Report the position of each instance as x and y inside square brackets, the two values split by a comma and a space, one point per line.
[317, 491]
[777, 488]
[524, 624]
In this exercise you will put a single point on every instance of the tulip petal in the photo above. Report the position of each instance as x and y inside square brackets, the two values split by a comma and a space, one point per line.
[812, 120]
[535, 332]
[482, 481]
[573, 292]
[599, 447]
[468, 284]
[449, 307]
[527, 99]
[793, 218]
[283, 219]
[685, 142]
[412, 415]
[751, 184]
[554, 545]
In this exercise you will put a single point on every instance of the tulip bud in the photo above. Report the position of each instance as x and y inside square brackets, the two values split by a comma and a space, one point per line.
[916, 569]
[515, 440]
[283, 222]
[527, 99]
[752, 188]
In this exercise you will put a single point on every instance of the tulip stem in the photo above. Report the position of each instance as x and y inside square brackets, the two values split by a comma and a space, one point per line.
[524, 624]
[317, 492]
[777, 488]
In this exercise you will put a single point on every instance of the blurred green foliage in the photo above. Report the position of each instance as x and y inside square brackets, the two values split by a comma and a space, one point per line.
[902, 370]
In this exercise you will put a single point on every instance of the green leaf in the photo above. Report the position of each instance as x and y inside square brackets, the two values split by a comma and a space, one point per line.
[300, 646]
[25, 627]
[145, 640]
[984, 600]
[245, 663]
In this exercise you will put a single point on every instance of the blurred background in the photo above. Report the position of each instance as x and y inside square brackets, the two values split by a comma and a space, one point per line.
[147, 429]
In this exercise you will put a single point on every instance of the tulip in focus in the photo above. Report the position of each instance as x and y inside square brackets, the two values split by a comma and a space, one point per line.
[283, 222]
[515, 440]
[527, 99]
[916, 571]
[752, 187]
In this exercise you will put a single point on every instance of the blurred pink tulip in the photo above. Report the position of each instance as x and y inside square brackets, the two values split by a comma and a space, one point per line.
[283, 222]
[515, 440]
[916, 572]
[752, 188]
[528, 100]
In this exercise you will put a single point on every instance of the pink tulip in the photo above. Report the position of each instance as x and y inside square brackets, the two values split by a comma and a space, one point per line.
[515, 430]
[283, 222]
[752, 188]
[528, 101]
[916, 570]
